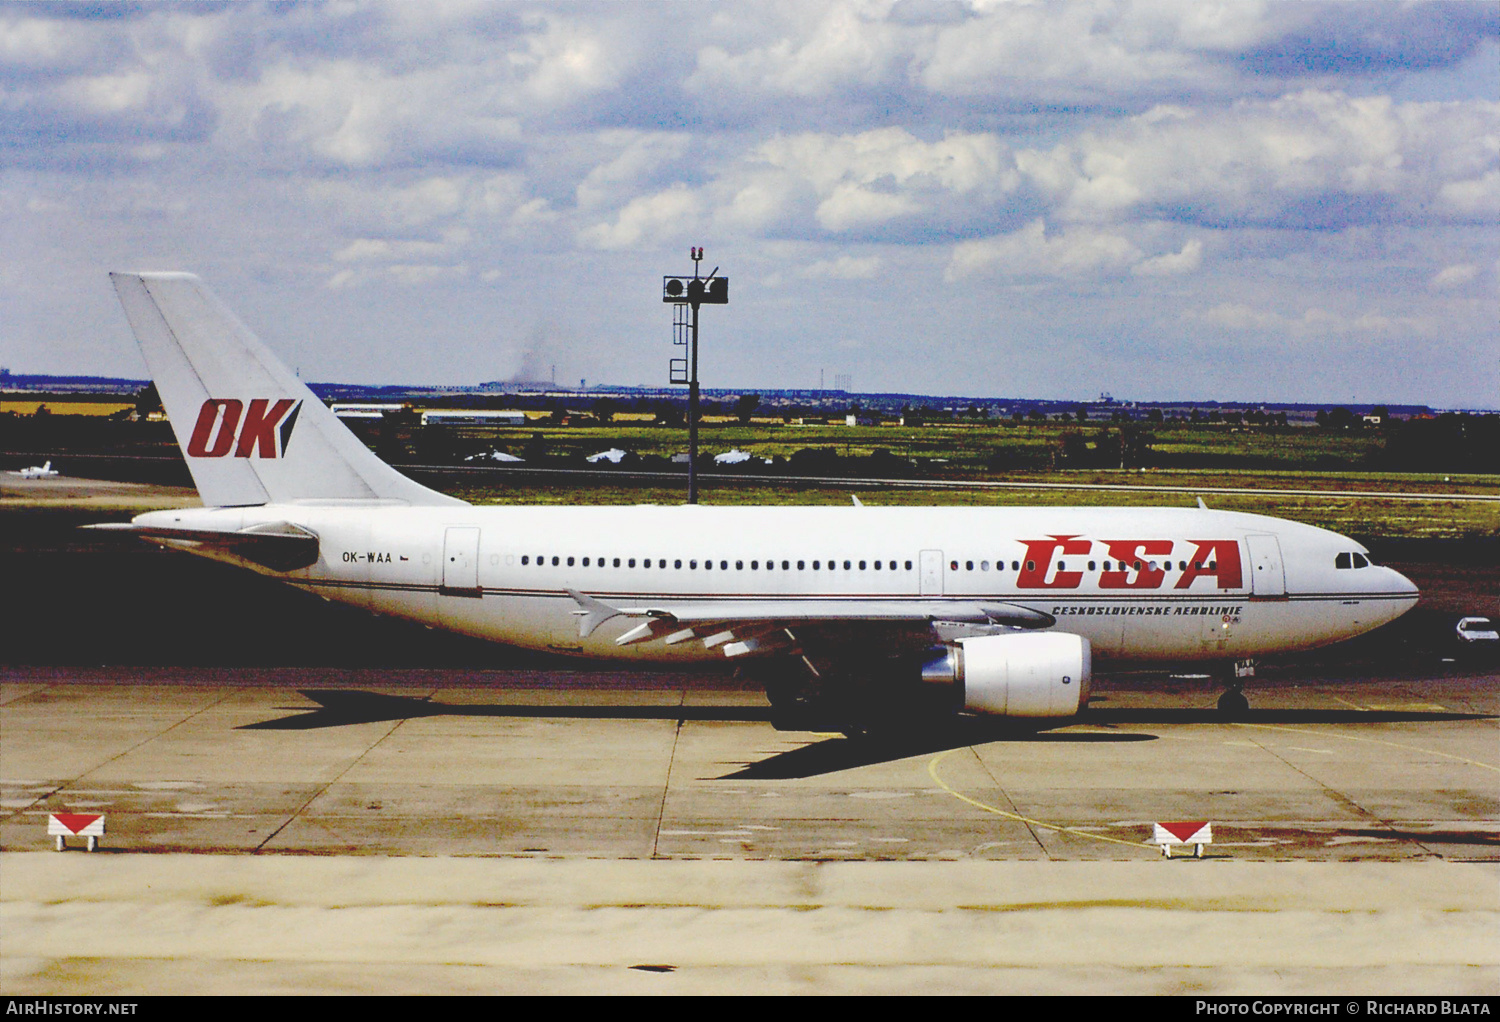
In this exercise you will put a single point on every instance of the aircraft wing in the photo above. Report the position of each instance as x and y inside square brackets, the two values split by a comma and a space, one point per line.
[742, 626]
[280, 546]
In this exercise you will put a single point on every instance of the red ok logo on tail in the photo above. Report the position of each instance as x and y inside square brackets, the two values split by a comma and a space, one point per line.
[261, 429]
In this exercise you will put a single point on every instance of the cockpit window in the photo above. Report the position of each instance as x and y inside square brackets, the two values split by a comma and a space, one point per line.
[1343, 561]
[1361, 561]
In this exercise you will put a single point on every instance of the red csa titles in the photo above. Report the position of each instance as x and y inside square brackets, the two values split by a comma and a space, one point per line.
[1141, 563]
[224, 425]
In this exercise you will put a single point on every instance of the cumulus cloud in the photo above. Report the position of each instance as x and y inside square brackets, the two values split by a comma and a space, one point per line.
[1172, 264]
[1325, 160]
[648, 220]
[565, 61]
[1068, 53]
[641, 159]
[1314, 323]
[1451, 277]
[1076, 252]
[844, 268]
[826, 48]
[870, 179]
[1081, 55]
[1476, 197]
[1103, 150]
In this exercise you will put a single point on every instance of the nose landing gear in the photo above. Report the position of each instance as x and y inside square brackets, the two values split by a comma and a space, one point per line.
[1233, 703]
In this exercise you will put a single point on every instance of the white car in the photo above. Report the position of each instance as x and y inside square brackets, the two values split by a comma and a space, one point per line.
[1477, 630]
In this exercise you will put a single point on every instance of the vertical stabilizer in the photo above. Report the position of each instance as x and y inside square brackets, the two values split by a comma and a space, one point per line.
[252, 433]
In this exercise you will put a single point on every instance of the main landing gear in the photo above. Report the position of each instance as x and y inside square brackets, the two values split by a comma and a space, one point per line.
[1233, 704]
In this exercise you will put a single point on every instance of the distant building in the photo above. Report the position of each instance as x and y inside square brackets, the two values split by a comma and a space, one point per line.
[345, 410]
[470, 417]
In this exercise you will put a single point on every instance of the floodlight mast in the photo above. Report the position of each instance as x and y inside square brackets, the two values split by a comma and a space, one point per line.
[687, 294]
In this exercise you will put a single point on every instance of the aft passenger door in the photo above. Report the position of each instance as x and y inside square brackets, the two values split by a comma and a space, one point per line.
[461, 561]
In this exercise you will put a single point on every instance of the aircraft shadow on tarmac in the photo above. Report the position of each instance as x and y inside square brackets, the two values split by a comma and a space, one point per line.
[340, 707]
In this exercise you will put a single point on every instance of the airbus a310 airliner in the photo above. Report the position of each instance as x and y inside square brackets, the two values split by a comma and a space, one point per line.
[998, 611]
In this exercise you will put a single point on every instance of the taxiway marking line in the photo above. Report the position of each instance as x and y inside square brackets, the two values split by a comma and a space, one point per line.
[1409, 707]
[1376, 741]
[932, 771]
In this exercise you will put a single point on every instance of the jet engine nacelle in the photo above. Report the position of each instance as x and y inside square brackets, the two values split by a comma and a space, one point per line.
[1027, 674]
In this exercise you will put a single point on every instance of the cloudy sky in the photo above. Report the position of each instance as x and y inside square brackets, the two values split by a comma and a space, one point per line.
[1238, 201]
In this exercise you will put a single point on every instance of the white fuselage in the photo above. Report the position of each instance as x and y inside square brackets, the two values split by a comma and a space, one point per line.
[1141, 584]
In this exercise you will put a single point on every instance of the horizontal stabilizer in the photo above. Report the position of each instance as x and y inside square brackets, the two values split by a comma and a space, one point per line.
[591, 613]
[280, 546]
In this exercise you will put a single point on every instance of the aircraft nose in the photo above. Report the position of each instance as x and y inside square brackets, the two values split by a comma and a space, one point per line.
[1404, 586]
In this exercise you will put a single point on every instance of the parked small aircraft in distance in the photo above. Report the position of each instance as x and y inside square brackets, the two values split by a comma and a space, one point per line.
[856, 613]
[37, 472]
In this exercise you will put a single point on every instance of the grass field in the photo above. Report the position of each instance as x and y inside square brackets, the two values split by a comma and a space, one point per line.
[1364, 517]
[942, 463]
[29, 407]
[964, 448]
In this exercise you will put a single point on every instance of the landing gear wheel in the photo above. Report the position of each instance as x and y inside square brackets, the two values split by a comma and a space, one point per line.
[784, 693]
[1233, 703]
